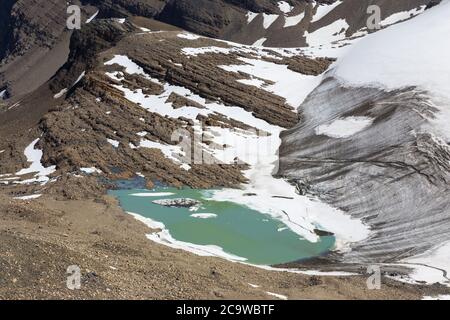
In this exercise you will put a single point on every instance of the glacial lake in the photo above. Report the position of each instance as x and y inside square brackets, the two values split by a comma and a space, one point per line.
[236, 229]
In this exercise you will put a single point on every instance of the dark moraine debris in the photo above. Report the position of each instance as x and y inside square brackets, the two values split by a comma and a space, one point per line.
[178, 203]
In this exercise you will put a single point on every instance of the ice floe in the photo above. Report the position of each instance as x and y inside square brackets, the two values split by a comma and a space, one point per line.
[331, 33]
[324, 9]
[91, 170]
[89, 20]
[30, 197]
[276, 295]
[285, 7]
[403, 15]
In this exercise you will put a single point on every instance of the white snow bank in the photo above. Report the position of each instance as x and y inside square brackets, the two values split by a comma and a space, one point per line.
[438, 258]
[204, 50]
[60, 94]
[260, 42]
[163, 237]
[34, 156]
[439, 297]
[269, 19]
[188, 36]
[344, 128]
[250, 16]
[124, 61]
[174, 153]
[114, 143]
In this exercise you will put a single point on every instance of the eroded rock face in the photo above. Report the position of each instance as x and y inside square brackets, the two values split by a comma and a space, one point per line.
[393, 174]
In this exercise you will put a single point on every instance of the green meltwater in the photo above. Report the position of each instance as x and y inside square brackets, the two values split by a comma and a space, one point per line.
[238, 230]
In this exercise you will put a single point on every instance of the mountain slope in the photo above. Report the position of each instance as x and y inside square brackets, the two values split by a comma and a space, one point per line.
[368, 163]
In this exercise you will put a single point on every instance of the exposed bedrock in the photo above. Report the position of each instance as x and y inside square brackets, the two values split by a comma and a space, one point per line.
[393, 174]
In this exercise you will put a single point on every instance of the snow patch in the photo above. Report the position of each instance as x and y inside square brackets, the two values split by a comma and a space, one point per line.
[89, 20]
[174, 153]
[31, 197]
[344, 128]
[439, 297]
[60, 94]
[204, 50]
[276, 295]
[328, 34]
[401, 16]
[92, 170]
[291, 85]
[130, 66]
[34, 156]
[324, 9]
[188, 36]
[260, 42]
[269, 19]
[114, 143]
[293, 20]
[285, 7]
[437, 258]
[250, 16]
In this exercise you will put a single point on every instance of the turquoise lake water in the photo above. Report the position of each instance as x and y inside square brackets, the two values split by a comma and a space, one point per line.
[237, 229]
